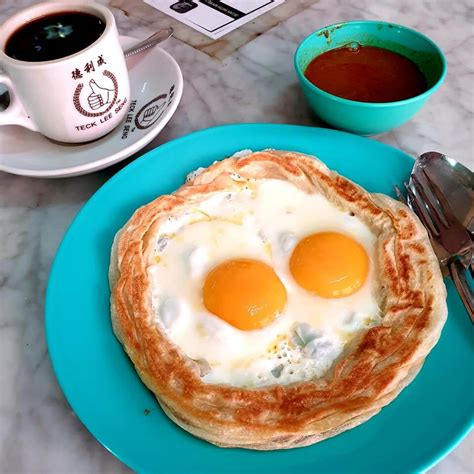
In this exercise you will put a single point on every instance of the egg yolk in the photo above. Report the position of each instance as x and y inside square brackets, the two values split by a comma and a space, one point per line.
[245, 293]
[329, 264]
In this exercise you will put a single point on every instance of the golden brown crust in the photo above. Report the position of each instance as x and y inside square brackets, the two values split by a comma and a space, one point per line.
[371, 372]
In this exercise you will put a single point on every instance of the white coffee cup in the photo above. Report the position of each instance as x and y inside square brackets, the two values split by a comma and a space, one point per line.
[77, 98]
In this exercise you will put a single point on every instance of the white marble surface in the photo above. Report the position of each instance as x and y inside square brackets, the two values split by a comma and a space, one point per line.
[38, 431]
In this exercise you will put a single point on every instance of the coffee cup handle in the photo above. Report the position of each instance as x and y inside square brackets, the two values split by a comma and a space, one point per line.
[15, 113]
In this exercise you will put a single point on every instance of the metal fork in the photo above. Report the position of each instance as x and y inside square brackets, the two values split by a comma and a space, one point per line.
[451, 241]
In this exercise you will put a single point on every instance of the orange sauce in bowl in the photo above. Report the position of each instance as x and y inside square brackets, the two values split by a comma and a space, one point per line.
[366, 74]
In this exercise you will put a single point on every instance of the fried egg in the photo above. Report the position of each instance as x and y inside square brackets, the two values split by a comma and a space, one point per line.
[264, 285]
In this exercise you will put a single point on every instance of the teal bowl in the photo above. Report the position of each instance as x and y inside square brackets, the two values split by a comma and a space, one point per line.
[366, 118]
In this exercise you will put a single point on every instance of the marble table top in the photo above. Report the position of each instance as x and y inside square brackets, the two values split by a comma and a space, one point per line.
[39, 433]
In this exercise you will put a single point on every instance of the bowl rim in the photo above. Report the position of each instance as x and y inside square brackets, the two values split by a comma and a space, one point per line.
[424, 95]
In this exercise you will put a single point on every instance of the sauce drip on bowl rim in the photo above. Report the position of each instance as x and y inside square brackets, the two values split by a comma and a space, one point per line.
[366, 74]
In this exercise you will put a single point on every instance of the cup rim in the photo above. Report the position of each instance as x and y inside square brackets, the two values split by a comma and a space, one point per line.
[425, 94]
[38, 10]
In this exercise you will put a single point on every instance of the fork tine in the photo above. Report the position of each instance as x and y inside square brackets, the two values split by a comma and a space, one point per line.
[421, 211]
[399, 194]
[433, 209]
[447, 211]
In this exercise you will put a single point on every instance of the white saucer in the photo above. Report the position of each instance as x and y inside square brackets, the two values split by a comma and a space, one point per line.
[156, 85]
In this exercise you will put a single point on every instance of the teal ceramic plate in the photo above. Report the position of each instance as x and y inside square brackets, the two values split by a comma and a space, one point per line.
[411, 434]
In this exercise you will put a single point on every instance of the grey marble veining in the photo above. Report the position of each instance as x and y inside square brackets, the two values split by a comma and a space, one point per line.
[216, 49]
[38, 431]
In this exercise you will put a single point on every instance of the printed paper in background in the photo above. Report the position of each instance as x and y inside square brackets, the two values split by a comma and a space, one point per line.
[212, 17]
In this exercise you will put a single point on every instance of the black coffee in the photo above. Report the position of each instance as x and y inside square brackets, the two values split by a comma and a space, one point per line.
[54, 36]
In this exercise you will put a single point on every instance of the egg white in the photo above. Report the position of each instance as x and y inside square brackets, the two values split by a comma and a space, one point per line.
[264, 220]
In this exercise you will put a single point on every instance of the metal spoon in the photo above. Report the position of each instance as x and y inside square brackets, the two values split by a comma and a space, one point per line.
[441, 193]
[153, 40]
[455, 181]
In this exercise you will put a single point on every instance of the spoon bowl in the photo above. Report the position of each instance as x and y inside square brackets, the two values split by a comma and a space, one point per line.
[455, 181]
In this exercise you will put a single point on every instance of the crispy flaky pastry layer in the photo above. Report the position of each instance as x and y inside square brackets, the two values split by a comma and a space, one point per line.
[374, 367]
